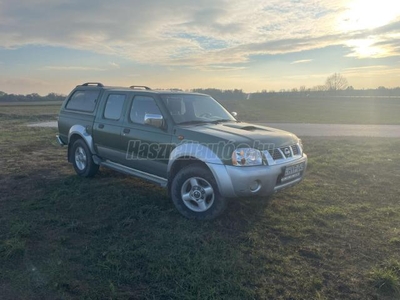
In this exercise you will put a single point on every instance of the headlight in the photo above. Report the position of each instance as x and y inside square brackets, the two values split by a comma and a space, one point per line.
[246, 157]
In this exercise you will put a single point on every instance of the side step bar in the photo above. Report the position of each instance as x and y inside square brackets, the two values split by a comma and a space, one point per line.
[123, 169]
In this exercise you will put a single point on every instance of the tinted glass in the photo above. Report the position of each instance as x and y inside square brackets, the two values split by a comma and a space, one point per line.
[143, 105]
[114, 105]
[83, 101]
[185, 108]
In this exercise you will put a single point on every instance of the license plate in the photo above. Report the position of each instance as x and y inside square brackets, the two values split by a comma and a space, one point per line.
[292, 172]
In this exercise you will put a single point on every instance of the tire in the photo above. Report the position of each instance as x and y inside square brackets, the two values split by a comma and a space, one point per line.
[82, 161]
[195, 194]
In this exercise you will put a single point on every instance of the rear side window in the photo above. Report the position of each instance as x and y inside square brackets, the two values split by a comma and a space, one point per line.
[114, 106]
[141, 106]
[83, 101]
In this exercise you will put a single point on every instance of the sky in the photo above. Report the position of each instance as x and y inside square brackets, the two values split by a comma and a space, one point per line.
[53, 45]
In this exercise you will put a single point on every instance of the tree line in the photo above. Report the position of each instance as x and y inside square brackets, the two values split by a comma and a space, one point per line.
[4, 97]
[335, 85]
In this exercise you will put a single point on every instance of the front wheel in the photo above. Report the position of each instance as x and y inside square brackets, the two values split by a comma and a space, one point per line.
[82, 159]
[195, 193]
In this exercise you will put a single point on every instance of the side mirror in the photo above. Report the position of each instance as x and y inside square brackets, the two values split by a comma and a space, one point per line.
[234, 113]
[154, 120]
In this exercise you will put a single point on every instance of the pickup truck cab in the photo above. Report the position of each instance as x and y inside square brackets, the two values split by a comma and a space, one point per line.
[186, 142]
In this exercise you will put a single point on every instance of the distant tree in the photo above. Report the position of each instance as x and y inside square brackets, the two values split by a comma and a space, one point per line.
[2, 94]
[336, 82]
[33, 96]
[51, 96]
[350, 88]
[319, 88]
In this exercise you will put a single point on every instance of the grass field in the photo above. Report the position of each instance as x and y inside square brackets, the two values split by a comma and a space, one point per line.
[334, 236]
[272, 109]
[29, 112]
[328, 110]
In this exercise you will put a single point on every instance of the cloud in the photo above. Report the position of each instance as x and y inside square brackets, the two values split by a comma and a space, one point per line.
[366, 68]
[242, 53]
[13, 85]
[114, 65]
[180, 32]
[388, 28]
[70, 68]
[302, 61]
[219, 68]
[371, 71]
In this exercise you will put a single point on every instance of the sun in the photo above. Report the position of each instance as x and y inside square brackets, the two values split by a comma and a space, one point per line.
[364, 48]
[368, 14]
[364, 15]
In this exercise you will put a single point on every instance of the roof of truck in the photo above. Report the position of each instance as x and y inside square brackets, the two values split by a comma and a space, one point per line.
[140, 88]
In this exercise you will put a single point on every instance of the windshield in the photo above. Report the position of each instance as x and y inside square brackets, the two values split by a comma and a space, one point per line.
[186, 109]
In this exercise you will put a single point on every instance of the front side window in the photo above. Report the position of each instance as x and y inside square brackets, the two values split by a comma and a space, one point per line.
[83, 101]
[114, 106]
[141, 106]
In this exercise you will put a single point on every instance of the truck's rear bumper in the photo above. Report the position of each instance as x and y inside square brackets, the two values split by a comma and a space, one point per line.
[59, 140]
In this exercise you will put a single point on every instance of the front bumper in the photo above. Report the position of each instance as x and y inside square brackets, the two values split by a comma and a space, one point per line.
[254, 181]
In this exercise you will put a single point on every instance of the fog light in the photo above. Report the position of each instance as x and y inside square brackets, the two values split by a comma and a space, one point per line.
[255, 186]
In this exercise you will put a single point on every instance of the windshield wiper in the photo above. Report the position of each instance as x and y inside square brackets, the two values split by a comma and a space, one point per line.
[205, 121]
[221, 121]
[192, 122]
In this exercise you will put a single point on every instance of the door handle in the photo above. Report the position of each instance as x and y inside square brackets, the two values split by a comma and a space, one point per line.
[126, 130]
[101, 126]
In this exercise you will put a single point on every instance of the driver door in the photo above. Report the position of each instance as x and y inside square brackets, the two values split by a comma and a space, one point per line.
[147, 147]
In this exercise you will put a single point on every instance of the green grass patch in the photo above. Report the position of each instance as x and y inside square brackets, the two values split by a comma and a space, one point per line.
[12, 247]
[18, 113]
[395, 241]
[386, 279]
[328, 110]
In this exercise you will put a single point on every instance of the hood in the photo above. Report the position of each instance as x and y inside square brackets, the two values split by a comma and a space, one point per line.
[237, 133]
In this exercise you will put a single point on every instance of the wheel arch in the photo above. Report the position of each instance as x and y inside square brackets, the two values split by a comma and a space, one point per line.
[79, 132]
[179, 164]
[187, 154]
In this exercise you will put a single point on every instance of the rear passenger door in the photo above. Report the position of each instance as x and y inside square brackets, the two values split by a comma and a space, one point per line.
[108, 126]
[147, 148]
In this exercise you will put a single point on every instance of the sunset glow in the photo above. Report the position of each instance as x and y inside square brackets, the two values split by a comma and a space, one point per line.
[368, 14]
[51, 46]
[365, 48]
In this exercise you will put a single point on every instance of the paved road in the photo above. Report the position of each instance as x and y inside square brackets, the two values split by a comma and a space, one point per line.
[302, 129]
[52, 124]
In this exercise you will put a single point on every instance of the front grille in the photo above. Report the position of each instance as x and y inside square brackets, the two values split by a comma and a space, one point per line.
[275, 153]
[284, 152]
[295, 150]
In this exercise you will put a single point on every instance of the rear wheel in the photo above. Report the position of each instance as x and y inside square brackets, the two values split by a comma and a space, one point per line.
[195, 194]
[82, 159]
